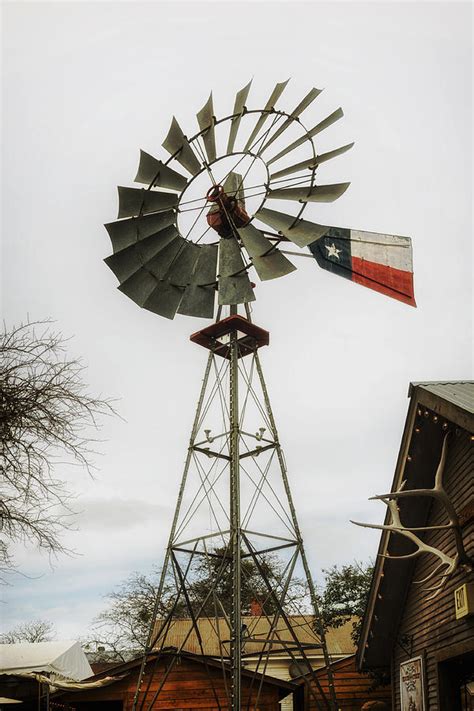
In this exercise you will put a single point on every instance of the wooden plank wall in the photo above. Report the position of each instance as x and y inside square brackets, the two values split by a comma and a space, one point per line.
[188, 686]
[429, 626]
[352, 688]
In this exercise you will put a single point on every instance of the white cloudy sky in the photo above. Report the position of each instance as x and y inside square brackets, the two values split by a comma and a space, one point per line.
[85, 85]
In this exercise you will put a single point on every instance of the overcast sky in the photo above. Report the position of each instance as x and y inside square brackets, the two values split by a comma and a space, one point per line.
[86, 85]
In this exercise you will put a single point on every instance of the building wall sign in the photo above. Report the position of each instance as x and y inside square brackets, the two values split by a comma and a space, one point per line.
[464, 600]
[412, 691]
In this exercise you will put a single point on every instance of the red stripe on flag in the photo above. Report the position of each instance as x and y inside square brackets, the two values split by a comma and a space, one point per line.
[393, 282]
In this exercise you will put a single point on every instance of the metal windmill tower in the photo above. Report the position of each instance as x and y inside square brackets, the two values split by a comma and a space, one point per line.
[177, 243]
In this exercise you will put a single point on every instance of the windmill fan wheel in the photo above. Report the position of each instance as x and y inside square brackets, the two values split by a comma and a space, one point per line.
[205, 218]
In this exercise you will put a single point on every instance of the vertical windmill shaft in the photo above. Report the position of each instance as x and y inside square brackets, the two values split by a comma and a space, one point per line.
[235, 532]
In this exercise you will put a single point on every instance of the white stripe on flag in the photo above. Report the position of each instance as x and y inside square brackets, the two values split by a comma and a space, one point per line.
[389, 250]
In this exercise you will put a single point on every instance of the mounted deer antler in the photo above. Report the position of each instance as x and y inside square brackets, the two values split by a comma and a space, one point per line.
[448, 563]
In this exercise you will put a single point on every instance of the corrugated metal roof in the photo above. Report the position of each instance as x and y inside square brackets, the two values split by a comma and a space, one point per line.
[458, 392]
[338, 639]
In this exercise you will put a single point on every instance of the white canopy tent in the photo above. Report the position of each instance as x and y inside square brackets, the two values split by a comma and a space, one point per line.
[64, 660]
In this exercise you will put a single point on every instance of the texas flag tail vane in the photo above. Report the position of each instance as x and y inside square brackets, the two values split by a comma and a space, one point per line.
[379, 261]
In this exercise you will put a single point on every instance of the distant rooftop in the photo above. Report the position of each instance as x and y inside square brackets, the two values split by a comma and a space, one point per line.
[215, 635]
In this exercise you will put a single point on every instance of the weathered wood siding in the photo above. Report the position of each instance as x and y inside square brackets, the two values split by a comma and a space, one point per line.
[188, 686]
[352, 688]
[429, 626]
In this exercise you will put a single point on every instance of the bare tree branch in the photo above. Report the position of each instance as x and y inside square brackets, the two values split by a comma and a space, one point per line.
[46, 417]
[34, 631]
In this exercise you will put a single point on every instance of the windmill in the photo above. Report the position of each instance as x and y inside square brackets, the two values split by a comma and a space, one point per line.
[226, 202]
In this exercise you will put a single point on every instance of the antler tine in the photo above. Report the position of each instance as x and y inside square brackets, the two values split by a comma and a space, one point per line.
[438, 486]
[433, 573]
[431, 597]
[377, 526]
[415, 554]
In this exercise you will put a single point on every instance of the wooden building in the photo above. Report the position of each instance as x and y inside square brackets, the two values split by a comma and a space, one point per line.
[426, 636]
[353, 688]
[195, 683]
[279, 665]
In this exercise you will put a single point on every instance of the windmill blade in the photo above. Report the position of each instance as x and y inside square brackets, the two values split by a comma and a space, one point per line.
[139, 286]
[199, 297]
[268, 261]
[233, 185]
[160, 264]
[137, 201]
[317, 193]
[164, 300]
[238, 112]
[181, 269]
[300, 232]
[234, 284]
[311, 163]
[274, 96]
[153, 172]
[129, 260]
[177, 143]
[381, 262]
[125, 232]
[328, 121]
[205, 119]
[308, 99]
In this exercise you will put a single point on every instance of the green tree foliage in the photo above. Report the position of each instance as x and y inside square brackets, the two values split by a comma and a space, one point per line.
[344, 595]
[215, 571]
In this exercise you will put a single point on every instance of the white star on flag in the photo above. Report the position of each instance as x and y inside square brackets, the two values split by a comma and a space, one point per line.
[332, 250]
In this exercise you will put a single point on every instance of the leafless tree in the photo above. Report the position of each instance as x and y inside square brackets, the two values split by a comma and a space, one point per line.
[123, 626]
[46, 417]
[34, 631]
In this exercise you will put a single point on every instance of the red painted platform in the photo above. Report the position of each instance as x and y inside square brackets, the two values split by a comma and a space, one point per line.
[213, 336]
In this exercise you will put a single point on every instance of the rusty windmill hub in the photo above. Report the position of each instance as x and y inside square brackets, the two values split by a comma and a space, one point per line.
[228, 213]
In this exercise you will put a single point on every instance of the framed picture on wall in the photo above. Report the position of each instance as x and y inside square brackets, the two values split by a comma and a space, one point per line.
[412, 685]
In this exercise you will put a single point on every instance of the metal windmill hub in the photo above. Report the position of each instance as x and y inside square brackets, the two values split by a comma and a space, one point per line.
[227, 214]
[192, 209]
